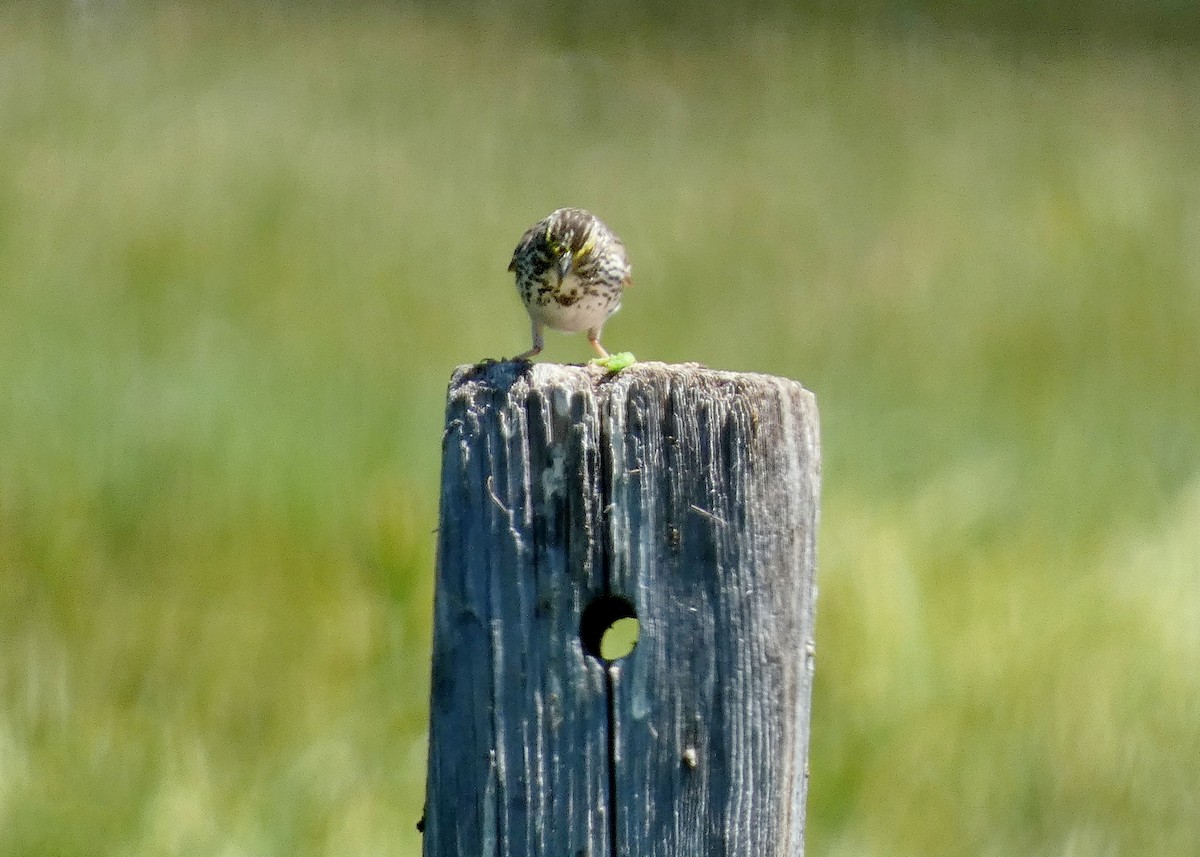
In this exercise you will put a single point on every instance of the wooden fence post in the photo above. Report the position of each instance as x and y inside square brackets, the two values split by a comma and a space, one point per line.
[681, 496]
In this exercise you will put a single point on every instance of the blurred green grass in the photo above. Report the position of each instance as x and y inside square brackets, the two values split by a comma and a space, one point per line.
[241, 247]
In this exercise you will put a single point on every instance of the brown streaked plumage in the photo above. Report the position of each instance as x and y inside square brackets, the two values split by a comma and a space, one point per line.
[571, 270]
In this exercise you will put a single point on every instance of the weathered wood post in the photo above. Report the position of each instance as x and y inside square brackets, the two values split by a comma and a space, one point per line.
[570, 498]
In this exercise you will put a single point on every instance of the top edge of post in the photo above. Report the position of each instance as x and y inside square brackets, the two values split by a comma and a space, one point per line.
[504, 375]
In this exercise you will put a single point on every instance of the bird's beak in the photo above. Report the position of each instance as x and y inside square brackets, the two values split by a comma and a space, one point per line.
[564, 265]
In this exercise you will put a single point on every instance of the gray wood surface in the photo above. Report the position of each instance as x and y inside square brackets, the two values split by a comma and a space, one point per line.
[690, 493]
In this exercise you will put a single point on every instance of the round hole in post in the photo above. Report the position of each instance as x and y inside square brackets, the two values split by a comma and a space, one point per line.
[609, 628]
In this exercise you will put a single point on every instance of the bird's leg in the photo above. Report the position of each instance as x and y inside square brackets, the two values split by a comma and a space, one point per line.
[538, 343]
[594, 339]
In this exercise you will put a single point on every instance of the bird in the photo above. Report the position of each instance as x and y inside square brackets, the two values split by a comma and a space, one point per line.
[571, 270]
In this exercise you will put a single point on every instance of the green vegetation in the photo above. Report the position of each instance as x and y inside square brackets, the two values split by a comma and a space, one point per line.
[242, 247]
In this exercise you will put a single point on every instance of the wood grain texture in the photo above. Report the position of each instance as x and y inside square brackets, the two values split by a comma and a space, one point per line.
[689, 492]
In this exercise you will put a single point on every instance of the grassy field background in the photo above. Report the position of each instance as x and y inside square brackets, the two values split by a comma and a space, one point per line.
[242, 247]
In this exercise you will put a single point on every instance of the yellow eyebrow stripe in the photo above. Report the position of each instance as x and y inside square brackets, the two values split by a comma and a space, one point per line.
[588, 245]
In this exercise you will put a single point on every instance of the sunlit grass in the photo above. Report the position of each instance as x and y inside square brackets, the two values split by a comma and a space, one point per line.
[240, 252]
